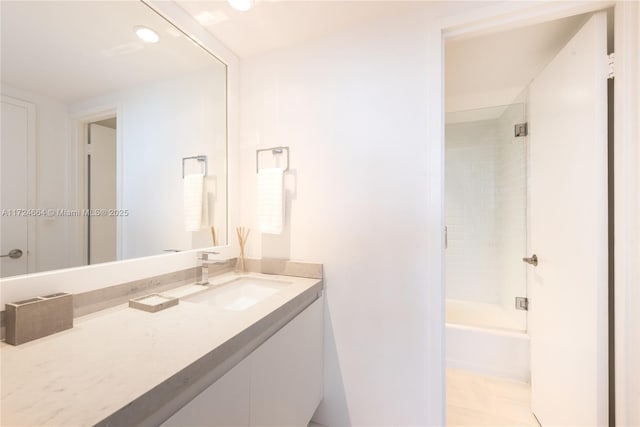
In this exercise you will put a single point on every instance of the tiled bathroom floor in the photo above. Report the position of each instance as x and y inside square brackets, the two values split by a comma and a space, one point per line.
[479, 400]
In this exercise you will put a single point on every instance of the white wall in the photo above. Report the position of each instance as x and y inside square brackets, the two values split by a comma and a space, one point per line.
[353, 110]
[51, 188]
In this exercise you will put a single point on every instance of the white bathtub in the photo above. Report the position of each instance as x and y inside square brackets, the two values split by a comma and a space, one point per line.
[486, 350]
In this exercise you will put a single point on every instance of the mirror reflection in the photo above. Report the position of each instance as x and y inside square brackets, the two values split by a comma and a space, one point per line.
[113, 136]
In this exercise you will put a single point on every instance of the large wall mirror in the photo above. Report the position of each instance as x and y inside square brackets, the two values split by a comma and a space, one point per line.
[114, 136]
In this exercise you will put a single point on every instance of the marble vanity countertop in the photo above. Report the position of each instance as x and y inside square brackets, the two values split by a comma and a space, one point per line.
[123, 366]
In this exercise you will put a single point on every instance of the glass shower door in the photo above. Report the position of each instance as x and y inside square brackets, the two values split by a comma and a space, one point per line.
[485, 216]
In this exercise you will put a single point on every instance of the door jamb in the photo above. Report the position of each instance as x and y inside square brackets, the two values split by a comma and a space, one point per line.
[80, 127]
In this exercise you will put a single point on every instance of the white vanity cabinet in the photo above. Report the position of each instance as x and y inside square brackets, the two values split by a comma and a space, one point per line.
[287, 372]
[279, 384]
[223, 403]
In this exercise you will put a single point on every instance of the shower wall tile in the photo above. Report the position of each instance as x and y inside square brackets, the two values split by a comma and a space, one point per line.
[471, 263]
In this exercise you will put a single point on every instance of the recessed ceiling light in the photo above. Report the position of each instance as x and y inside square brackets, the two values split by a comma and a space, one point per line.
[241, 5]
[146, 34]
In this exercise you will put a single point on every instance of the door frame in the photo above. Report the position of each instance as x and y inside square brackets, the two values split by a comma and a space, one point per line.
[32, 174]
[626, 173]
[627, 212]
[77, 158]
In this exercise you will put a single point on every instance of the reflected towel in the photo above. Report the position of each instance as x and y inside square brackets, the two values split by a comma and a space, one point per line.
[194, 201]
[206, 186]
[271, 200]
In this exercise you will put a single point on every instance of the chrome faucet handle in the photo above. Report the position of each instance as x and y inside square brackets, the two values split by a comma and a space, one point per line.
[206, 262]
[204, 255]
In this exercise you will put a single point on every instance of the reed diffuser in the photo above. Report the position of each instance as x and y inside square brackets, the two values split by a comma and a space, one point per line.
[214, 236]
[243, 235]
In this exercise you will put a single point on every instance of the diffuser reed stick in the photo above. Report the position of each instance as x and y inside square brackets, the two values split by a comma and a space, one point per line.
[243, 235]
[214, 237]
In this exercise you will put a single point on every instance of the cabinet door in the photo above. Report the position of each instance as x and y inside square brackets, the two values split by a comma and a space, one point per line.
[287, 372]
[224, 403]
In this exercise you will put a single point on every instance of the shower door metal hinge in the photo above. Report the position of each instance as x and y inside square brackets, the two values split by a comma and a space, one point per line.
[520, 129]
[612, 72]
[522, 303]
[446, 237]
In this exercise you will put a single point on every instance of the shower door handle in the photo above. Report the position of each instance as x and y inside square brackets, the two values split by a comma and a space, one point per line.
[533, 260]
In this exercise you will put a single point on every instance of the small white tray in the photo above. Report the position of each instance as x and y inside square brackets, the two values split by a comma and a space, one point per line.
[153, 302]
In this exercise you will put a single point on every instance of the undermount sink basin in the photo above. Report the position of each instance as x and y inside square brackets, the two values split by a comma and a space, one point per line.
[238, 294]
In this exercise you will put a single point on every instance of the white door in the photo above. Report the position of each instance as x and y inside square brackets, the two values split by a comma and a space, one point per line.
[102, 193]
[568, 292]
[18, 142]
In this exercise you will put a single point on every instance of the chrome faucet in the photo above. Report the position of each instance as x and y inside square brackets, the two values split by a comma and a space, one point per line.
[206, 262]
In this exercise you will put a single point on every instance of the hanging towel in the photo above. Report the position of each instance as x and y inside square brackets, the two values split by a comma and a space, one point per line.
[205, 223]
[271, 200]
[193, 201]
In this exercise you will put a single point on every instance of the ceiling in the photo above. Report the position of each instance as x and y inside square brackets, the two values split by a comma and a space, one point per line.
[278, 24]
[504, 62]
[501, 65]
[73, 50]
[101, 53]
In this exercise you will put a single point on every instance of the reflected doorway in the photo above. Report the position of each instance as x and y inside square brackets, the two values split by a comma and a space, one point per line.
[102, 191]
